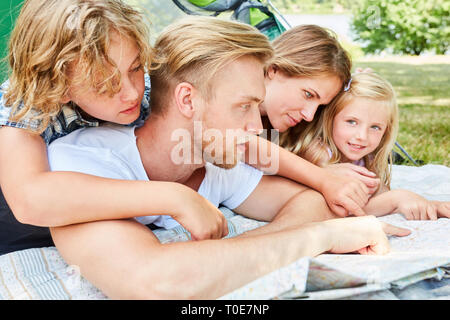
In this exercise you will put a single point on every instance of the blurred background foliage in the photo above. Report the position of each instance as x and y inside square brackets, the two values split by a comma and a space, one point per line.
[386, 35]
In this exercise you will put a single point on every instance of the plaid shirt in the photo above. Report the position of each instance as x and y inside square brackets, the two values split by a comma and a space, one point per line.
[67, 120]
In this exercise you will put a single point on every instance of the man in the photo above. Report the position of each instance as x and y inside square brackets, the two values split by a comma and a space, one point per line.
[207, 79]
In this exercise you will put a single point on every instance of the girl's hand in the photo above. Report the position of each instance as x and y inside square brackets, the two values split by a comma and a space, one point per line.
[354, 171]
[415, 207]
[443, 208]
[345, 195]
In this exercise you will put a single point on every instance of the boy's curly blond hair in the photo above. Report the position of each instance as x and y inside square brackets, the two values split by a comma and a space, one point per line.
[52, 36]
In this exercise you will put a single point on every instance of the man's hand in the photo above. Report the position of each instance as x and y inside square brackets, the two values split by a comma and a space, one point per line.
[345, 195]
[365, 235]
[199, 216]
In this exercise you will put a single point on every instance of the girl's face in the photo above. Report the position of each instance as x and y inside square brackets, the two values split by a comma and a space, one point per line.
[124, 106]
[290, 100]
[359, 127]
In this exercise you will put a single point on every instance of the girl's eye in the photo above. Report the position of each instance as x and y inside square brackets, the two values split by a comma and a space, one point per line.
[245, 106]
[376, 128]
[352, 122]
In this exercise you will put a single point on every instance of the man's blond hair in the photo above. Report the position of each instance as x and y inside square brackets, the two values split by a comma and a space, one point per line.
[194, 49]
[50, 35]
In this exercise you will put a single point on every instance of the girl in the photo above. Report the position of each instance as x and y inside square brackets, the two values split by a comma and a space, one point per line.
[360, 127]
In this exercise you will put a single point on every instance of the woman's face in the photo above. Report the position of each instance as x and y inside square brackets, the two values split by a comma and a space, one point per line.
[290, 100]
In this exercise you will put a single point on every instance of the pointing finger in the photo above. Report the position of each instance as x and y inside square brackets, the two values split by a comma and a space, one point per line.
[394, 231]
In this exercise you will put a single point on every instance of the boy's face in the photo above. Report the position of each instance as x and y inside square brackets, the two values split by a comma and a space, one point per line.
[124, 106]
[290, 100]
[359, 127]
[233, 111]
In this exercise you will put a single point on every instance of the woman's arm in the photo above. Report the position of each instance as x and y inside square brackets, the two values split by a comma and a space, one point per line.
[344, 195]
[39, 197]
[358, 172]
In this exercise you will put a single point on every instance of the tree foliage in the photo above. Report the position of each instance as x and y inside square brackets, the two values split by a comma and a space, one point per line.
[406, 27]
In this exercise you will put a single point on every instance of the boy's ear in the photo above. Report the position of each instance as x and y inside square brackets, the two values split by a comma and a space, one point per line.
[184, 94]
[65, 99]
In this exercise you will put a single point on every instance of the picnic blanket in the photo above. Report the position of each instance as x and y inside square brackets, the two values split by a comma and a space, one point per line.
[41, 273]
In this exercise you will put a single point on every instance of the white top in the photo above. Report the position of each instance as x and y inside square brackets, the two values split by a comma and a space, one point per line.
[110, 151]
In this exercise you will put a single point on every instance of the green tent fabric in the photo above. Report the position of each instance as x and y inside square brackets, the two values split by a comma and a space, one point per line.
[259, 16]
[9, 10]
[215, 5]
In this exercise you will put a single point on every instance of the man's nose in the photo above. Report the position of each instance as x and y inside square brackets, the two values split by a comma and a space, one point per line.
[254, 125]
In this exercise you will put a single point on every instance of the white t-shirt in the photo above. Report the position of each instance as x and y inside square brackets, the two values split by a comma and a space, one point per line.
[110, 151]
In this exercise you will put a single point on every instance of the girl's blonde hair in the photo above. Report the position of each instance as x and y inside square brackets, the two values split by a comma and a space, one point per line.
[194, 49]
[50, 36]
[315, 142]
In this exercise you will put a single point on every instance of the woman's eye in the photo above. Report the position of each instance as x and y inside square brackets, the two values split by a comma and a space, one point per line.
[245, 106]
[139, 67]
[308, 95]
[352, 122]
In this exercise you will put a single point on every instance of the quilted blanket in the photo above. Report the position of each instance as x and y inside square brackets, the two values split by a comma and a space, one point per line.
[41, 273]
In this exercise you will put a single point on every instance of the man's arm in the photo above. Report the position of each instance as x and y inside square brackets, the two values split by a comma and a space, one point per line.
[125, 260]
[285, 204]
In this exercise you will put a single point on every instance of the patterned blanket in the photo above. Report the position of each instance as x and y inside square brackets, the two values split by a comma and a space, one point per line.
[41, 273]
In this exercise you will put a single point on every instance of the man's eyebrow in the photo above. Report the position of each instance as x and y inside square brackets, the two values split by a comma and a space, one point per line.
[253, 98]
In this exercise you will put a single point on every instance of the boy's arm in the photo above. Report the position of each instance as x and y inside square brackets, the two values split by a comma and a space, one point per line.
[37, 196]
[344, 195]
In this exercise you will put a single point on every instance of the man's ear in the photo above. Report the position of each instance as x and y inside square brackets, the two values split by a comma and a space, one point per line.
[184, 94]
[271, 70]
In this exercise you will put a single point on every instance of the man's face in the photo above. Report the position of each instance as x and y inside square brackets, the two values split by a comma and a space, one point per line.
[232, 113]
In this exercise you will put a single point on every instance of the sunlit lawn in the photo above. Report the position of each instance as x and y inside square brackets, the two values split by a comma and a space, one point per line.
[423, 89]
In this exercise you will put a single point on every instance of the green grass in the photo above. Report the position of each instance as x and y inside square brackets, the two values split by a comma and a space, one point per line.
[423, 89]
